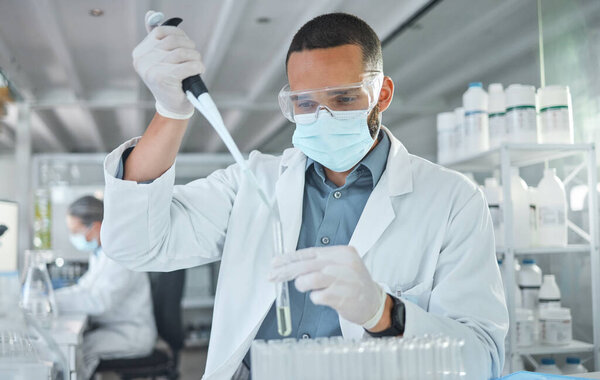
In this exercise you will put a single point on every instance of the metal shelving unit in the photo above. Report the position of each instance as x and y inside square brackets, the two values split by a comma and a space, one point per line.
[520, 155]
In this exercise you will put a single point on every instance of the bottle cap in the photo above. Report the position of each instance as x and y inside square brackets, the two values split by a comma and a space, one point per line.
[476, 84]
[554, 96]
[528, 261]
[497, 101]
[573, 360]
[520, 95]
[548, 361]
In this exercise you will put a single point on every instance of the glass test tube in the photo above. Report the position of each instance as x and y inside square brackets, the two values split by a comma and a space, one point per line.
[282, 303]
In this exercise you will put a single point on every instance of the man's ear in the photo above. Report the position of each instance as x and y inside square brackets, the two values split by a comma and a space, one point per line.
[386, 94]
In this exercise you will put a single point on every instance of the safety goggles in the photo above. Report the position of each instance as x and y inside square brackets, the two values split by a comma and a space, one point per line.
[303, 106]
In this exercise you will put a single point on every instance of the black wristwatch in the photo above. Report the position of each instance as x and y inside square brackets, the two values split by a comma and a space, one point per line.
[398, 318]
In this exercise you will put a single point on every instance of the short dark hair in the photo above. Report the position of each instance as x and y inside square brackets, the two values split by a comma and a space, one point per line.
[89, 209]
[337, 29]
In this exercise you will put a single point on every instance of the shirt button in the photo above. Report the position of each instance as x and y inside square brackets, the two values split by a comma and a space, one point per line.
[325, 240]
[337, 194]
[305, 336]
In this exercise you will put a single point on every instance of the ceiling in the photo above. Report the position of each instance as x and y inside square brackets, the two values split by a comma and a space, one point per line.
[75, 69]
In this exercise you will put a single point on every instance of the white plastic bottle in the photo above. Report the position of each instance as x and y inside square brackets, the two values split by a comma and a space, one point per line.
[573, 366]
[530, 281]
[445, 136]
[518, 297]
[521, 117]
[525, 327]
[493, 195]
[549, 296]
[475, 102]
[552, 210]
[497, 115]
[555, 115]
[459, 133]
[548, 365]
[521, 210]
[533, 215]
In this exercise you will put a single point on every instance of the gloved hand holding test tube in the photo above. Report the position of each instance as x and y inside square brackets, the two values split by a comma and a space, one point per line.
[198, 95]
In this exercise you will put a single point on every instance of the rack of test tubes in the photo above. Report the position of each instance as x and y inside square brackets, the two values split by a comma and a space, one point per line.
[426, 357]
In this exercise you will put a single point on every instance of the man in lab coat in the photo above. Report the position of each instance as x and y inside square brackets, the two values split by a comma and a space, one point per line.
[117, 300]
[380, 242]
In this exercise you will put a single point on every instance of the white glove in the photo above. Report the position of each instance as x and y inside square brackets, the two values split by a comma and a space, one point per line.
[337, 278]
[163, 59]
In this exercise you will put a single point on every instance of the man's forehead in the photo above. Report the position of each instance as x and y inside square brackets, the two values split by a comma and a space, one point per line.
[318, 68]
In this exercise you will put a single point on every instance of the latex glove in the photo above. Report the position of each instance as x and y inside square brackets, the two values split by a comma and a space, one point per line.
[163, 60]
[336, 277]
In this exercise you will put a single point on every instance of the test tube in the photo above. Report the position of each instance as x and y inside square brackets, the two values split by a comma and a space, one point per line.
[282, 302]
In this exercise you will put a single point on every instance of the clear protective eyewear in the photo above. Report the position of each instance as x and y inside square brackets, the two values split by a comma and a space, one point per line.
[303, 106]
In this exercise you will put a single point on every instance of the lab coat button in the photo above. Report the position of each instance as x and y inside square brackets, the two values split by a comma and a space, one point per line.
[325, 240]
[305, 336]
[337, 194]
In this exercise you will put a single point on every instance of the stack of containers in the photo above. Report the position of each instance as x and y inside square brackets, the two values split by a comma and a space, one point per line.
[475, 103]
[555, 114]
[521, 118]
[446, 125]
[488, 119]
[497, 115]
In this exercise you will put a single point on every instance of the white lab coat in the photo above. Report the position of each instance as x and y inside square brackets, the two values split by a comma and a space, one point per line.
[425, 233]
[119, 305]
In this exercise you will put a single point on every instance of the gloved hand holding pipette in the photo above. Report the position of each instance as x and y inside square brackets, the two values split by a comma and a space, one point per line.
[163, 60]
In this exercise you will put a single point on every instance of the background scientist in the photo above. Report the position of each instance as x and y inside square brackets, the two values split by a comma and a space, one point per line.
[117, 300]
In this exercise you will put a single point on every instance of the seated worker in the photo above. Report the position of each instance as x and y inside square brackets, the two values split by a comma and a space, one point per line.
[117, 300]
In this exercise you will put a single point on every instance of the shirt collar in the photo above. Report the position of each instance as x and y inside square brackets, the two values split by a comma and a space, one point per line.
[374, 162]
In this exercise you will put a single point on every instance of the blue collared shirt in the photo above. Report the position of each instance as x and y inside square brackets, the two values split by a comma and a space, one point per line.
[329, 216]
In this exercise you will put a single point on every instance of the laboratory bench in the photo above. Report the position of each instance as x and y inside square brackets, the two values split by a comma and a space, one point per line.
[67, 331]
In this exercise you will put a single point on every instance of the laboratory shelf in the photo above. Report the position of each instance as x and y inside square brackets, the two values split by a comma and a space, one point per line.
[540, 349]
[503, 159]
[520, 155]
[198, 302]
[574, 248]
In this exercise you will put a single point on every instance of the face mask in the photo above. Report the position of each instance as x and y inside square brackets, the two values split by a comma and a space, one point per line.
[79, 242]
[336, 143]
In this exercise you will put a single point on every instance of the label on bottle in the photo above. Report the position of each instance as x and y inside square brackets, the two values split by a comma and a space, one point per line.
[521, 121]
[555, 119]
[556, 331]
[529, 295]
[497, 126]
[552, 216]
[533, 220]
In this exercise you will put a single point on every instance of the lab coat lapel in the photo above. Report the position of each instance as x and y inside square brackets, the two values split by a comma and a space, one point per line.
[379, 212]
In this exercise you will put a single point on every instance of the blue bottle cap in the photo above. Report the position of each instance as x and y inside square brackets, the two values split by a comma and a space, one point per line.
[548, 361]
[528, 261]
[476, 84]
[572, 360]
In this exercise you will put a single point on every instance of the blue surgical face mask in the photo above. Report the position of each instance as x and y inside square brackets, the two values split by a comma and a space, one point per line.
[81, 244]
[336, 143]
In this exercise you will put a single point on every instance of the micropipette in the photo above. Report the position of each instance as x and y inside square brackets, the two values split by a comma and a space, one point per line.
[198, 95]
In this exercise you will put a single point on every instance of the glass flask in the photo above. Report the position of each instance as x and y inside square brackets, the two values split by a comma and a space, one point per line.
[37, 297]
[26, 350]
